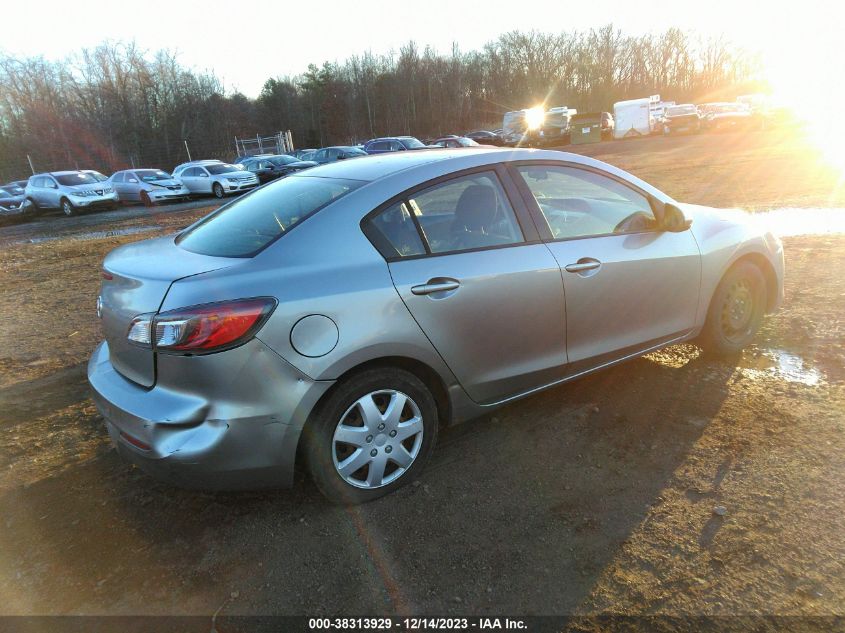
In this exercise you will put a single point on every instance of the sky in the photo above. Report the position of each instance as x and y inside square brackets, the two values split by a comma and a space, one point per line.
[244, 43]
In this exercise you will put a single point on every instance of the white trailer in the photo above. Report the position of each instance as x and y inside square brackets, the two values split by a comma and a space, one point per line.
[632, 118]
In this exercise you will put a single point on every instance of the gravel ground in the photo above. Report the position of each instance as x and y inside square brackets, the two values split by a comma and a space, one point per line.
[672, 484]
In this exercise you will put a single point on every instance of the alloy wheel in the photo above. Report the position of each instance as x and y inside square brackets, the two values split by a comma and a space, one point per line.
[377, 439]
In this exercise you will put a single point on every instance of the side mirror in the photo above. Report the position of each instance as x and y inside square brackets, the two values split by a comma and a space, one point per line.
[674, 219]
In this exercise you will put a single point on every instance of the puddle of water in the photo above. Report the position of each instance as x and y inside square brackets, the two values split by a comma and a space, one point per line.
[783, 365]
[791, 221]
[92, 235]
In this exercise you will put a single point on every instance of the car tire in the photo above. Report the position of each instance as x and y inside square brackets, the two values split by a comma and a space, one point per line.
[34, 205]
[378, 443]
[217, 190]
[145, 199]
[67, 207]
[736, 311]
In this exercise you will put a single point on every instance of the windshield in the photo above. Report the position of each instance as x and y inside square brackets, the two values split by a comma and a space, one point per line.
[680, 110]
[71, 180]
[98, 176]
[283, 160]
[244, 227]
[467, 142]
[4, 194]
[411, 143]
[223, 168]
[152, 175]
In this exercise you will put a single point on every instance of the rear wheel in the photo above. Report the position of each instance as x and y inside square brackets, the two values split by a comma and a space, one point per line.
[736, 310]
[217, 190]
[372, 435]
[67, 207]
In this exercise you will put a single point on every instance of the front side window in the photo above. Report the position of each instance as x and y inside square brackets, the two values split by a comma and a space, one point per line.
[581, 203]
[246, 226]
[466, 213]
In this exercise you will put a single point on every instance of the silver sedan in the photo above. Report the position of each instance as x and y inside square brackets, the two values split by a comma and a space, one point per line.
[344, 315]
[147, 186]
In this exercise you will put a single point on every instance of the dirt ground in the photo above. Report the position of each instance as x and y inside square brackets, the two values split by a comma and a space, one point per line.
[594, 497]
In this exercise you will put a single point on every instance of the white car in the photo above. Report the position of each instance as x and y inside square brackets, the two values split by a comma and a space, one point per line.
[215, 178]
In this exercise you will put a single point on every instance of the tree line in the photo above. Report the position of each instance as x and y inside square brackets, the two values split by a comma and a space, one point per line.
[117, 105]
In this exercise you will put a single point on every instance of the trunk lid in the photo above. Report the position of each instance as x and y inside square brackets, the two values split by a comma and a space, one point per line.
[141, 274]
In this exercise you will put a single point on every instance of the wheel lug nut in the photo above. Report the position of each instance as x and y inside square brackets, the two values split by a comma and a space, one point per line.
[388, 449]
[373, 453]
[381, 426]
[369, 439]
[393, 434]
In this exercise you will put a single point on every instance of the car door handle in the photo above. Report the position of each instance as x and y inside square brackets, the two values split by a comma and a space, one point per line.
[435, 286]
[582, 265]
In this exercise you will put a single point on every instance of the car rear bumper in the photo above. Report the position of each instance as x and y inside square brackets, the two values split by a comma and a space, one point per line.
[230, 421]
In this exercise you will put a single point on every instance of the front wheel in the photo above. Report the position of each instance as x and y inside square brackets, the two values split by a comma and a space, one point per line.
[217, 190]
[736, 310]
[145, 199]
[67, 208]
[372, 435]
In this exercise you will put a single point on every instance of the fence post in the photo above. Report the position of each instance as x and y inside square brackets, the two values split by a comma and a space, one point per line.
[188, 150]
[30, 164]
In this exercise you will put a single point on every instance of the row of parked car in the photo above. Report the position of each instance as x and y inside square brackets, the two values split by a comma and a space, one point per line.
[74, 191]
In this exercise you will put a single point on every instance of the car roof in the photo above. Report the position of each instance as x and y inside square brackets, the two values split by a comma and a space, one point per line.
[67, 172]
[432, 163]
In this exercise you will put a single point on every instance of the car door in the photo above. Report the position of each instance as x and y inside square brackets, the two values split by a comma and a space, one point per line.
[118, 185]
[50, 193]
[131, 186]
[628, 284]
[466, 260]
[191, 179]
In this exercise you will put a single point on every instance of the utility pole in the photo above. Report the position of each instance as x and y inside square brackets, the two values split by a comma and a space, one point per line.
[188, 150]
[30, 164]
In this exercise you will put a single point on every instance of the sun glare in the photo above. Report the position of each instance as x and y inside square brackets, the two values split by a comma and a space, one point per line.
[534, 117]
[812, 96]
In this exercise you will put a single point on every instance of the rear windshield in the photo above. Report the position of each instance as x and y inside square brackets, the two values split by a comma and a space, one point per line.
[244, 227]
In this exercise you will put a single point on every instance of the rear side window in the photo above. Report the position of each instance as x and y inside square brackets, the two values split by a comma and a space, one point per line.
[246, 226]
[394, 232]
[118, 177]
[466, 213]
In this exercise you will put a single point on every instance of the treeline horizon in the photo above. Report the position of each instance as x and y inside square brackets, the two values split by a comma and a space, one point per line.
[117, 105]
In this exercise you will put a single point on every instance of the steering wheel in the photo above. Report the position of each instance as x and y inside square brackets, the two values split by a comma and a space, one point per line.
[638, 220]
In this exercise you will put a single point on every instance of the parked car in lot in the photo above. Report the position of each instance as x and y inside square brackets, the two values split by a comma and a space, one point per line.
[182, 167]
[681, 118]
[13, 203]
[217, 178]
[239, 159]
[485, 137]
[392, 144]
[346, 313]
[271, 167]
[300, 153]
[148, 186]
[339, 152]
[70, 191]
[721, 117]
[455, 141]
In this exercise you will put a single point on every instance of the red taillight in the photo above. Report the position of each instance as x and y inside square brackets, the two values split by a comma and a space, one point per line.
[135, 441]
[107, 276]
[212, 327]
